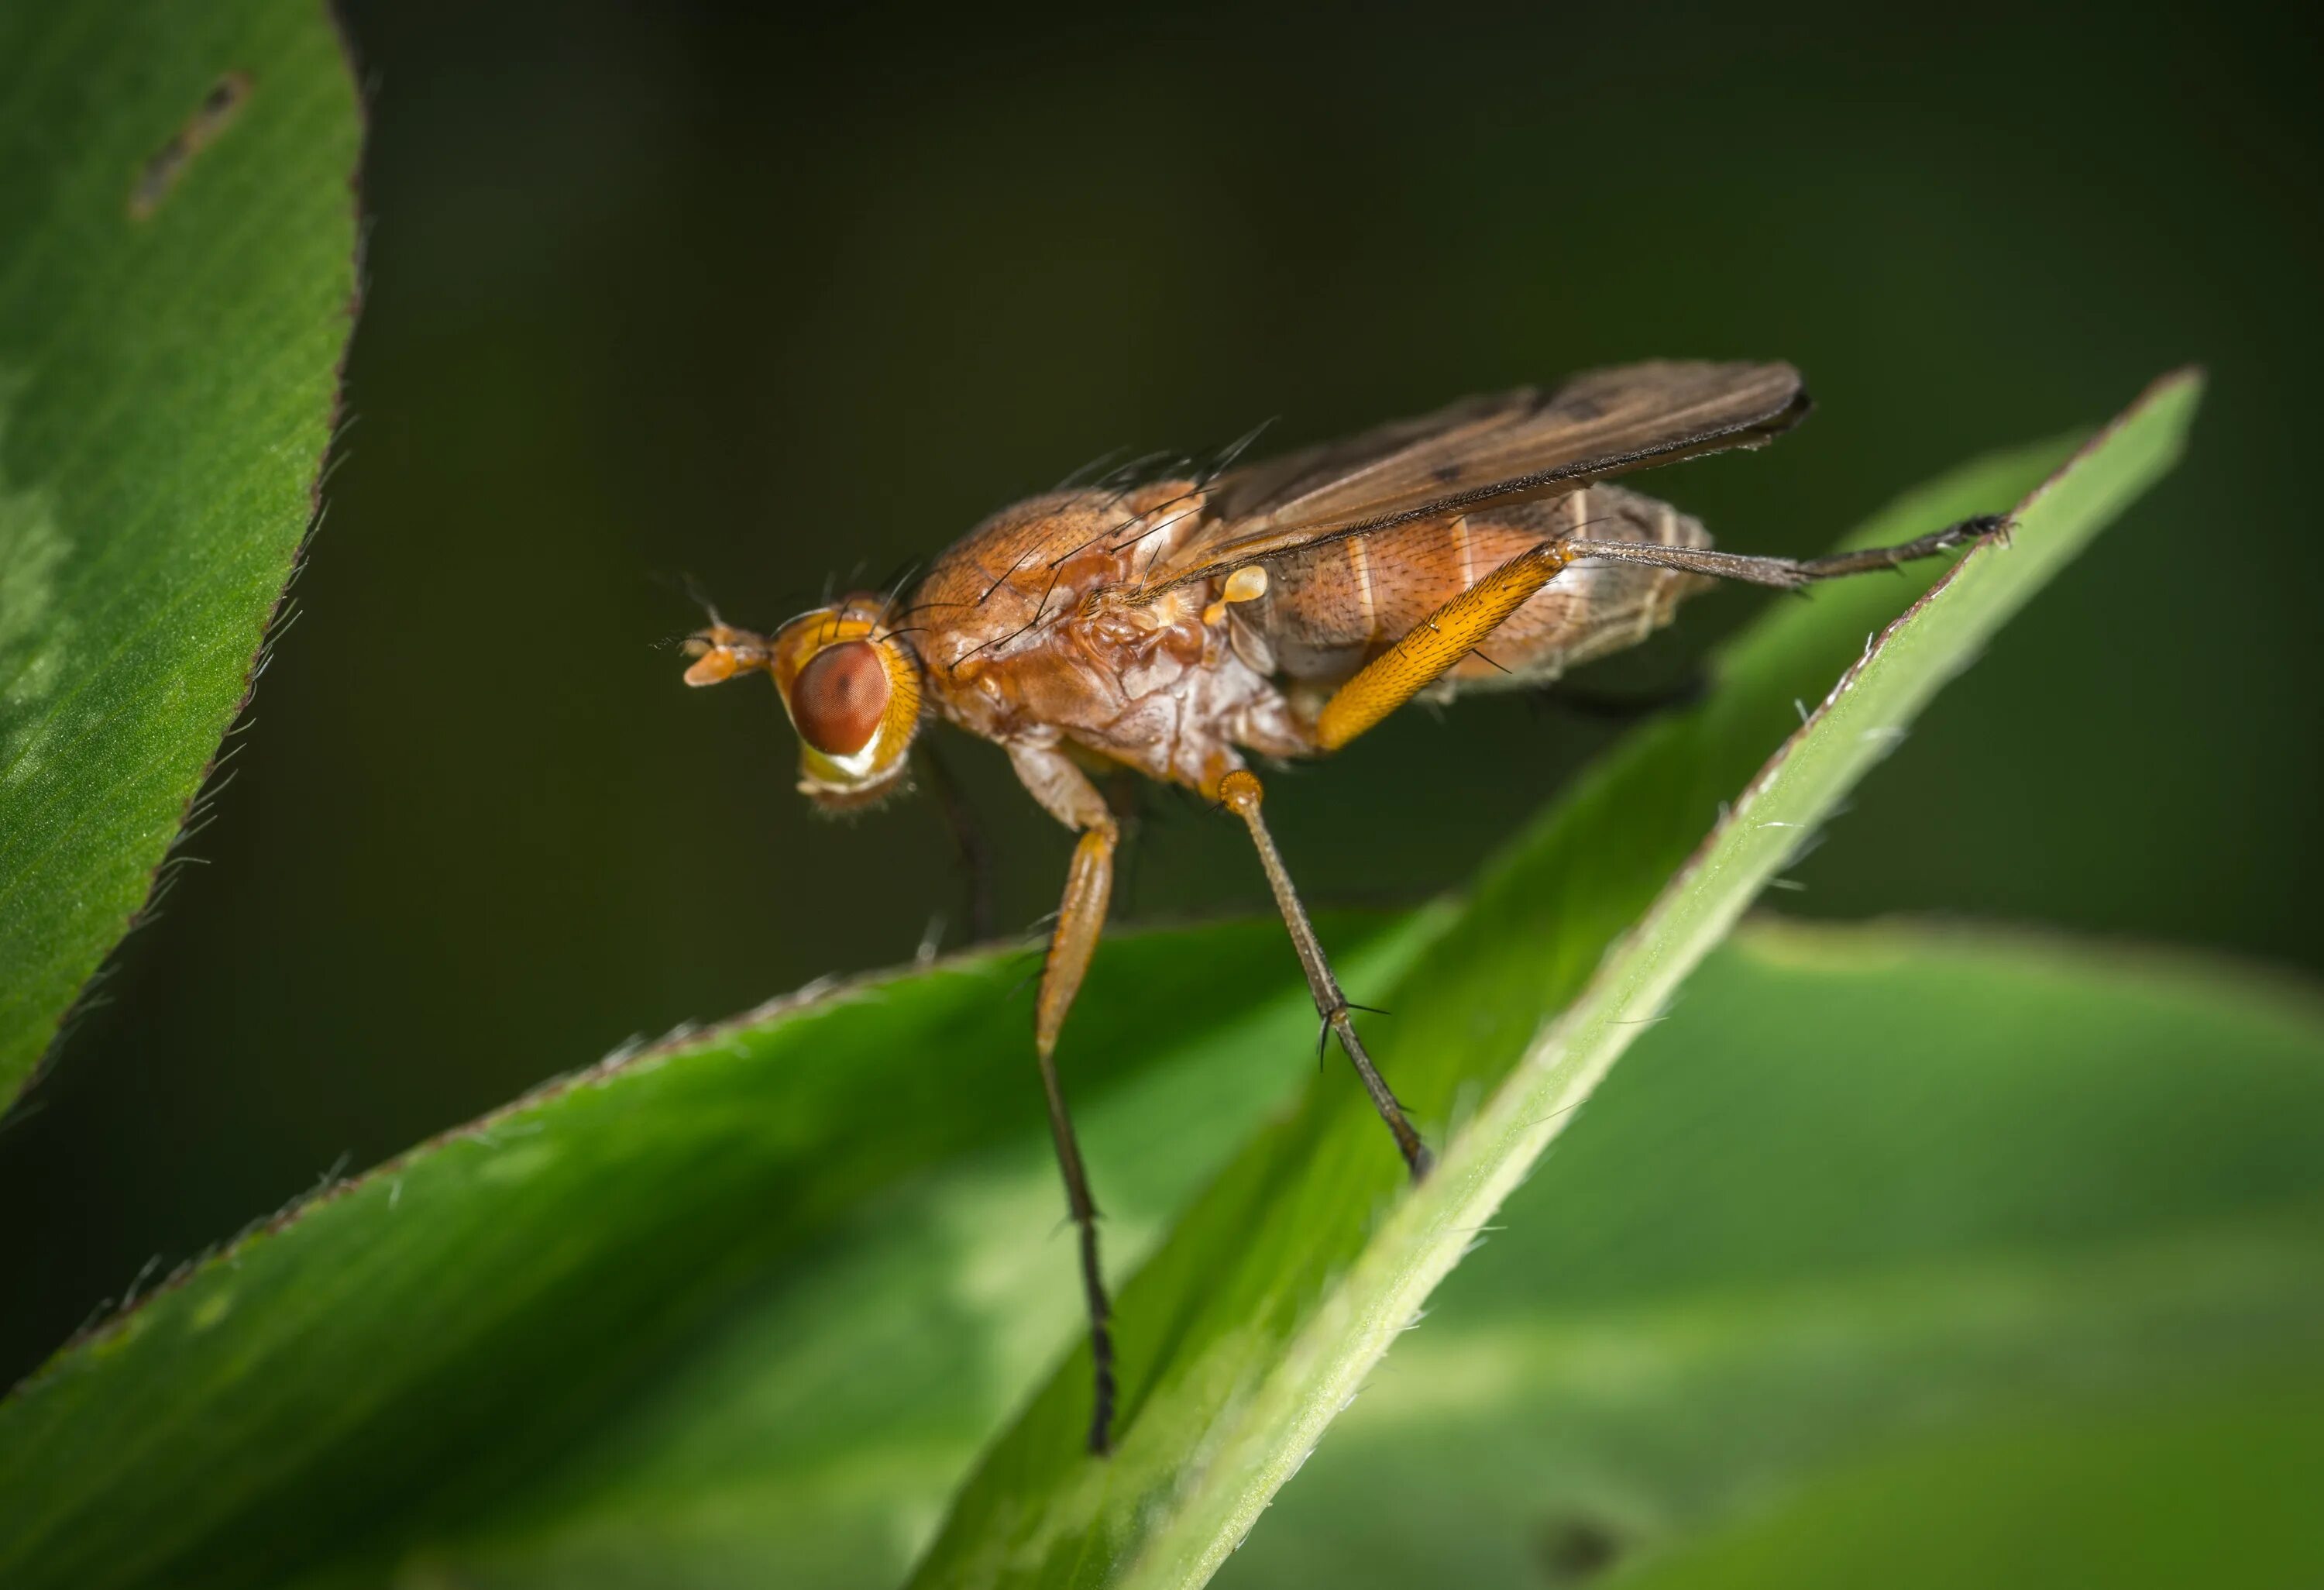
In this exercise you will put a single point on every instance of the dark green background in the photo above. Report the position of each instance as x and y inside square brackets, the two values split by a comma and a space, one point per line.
[667, 289]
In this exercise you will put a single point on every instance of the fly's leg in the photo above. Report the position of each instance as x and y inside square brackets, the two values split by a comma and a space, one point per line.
[1790, 573]
[1079, 920]
[1241, 792]
[1061, 787]
[1383, 684]
[1422, 657]
[1441, 639]
[1438, 641]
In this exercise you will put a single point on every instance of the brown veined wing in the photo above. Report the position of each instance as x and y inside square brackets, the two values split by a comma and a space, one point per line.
[1512, 447]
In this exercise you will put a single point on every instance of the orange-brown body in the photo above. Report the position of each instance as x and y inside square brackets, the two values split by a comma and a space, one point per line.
[1051, 623]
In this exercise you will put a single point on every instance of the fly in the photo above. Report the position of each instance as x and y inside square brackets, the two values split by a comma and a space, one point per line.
[1178, 627]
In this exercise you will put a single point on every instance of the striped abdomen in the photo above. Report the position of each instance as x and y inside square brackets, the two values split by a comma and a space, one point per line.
[1330, 610]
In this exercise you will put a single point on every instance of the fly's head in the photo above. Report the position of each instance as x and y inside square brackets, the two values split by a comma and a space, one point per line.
[853, 693]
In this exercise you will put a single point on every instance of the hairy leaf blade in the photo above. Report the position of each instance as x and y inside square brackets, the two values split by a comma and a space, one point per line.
[175, 293]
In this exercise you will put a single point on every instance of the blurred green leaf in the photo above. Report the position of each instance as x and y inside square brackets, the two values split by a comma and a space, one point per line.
[175, 294]
[1277, 1294]
[2216, 1488]
[1894, 1256]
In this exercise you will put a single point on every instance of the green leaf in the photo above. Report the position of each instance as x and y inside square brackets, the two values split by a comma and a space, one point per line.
[1799, 1258]
[1896, 1255]
[1979, 1176]
[809, 1253]
[170, 329]
[1280, 1291]
[2214, 1489]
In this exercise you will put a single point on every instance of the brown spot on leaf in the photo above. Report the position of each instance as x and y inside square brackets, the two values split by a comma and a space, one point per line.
[1575, 1551]
[211, 116]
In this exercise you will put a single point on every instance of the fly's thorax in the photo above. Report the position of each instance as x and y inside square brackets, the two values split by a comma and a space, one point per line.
[1035, 562]
[1018, 621]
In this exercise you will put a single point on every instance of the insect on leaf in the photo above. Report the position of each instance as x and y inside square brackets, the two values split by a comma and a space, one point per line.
[1280, 1292]
[745, 1307]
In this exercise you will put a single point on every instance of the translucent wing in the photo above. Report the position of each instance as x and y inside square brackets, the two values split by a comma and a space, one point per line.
[1509, 448]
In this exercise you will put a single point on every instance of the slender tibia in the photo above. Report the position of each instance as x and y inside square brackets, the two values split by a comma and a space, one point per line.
[1788, 573]
[1087, 886]
[1241, 792]
[1061, 787]
[1085, 1211]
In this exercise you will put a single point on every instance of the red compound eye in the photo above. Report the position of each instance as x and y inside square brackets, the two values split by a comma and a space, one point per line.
[838, 697]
